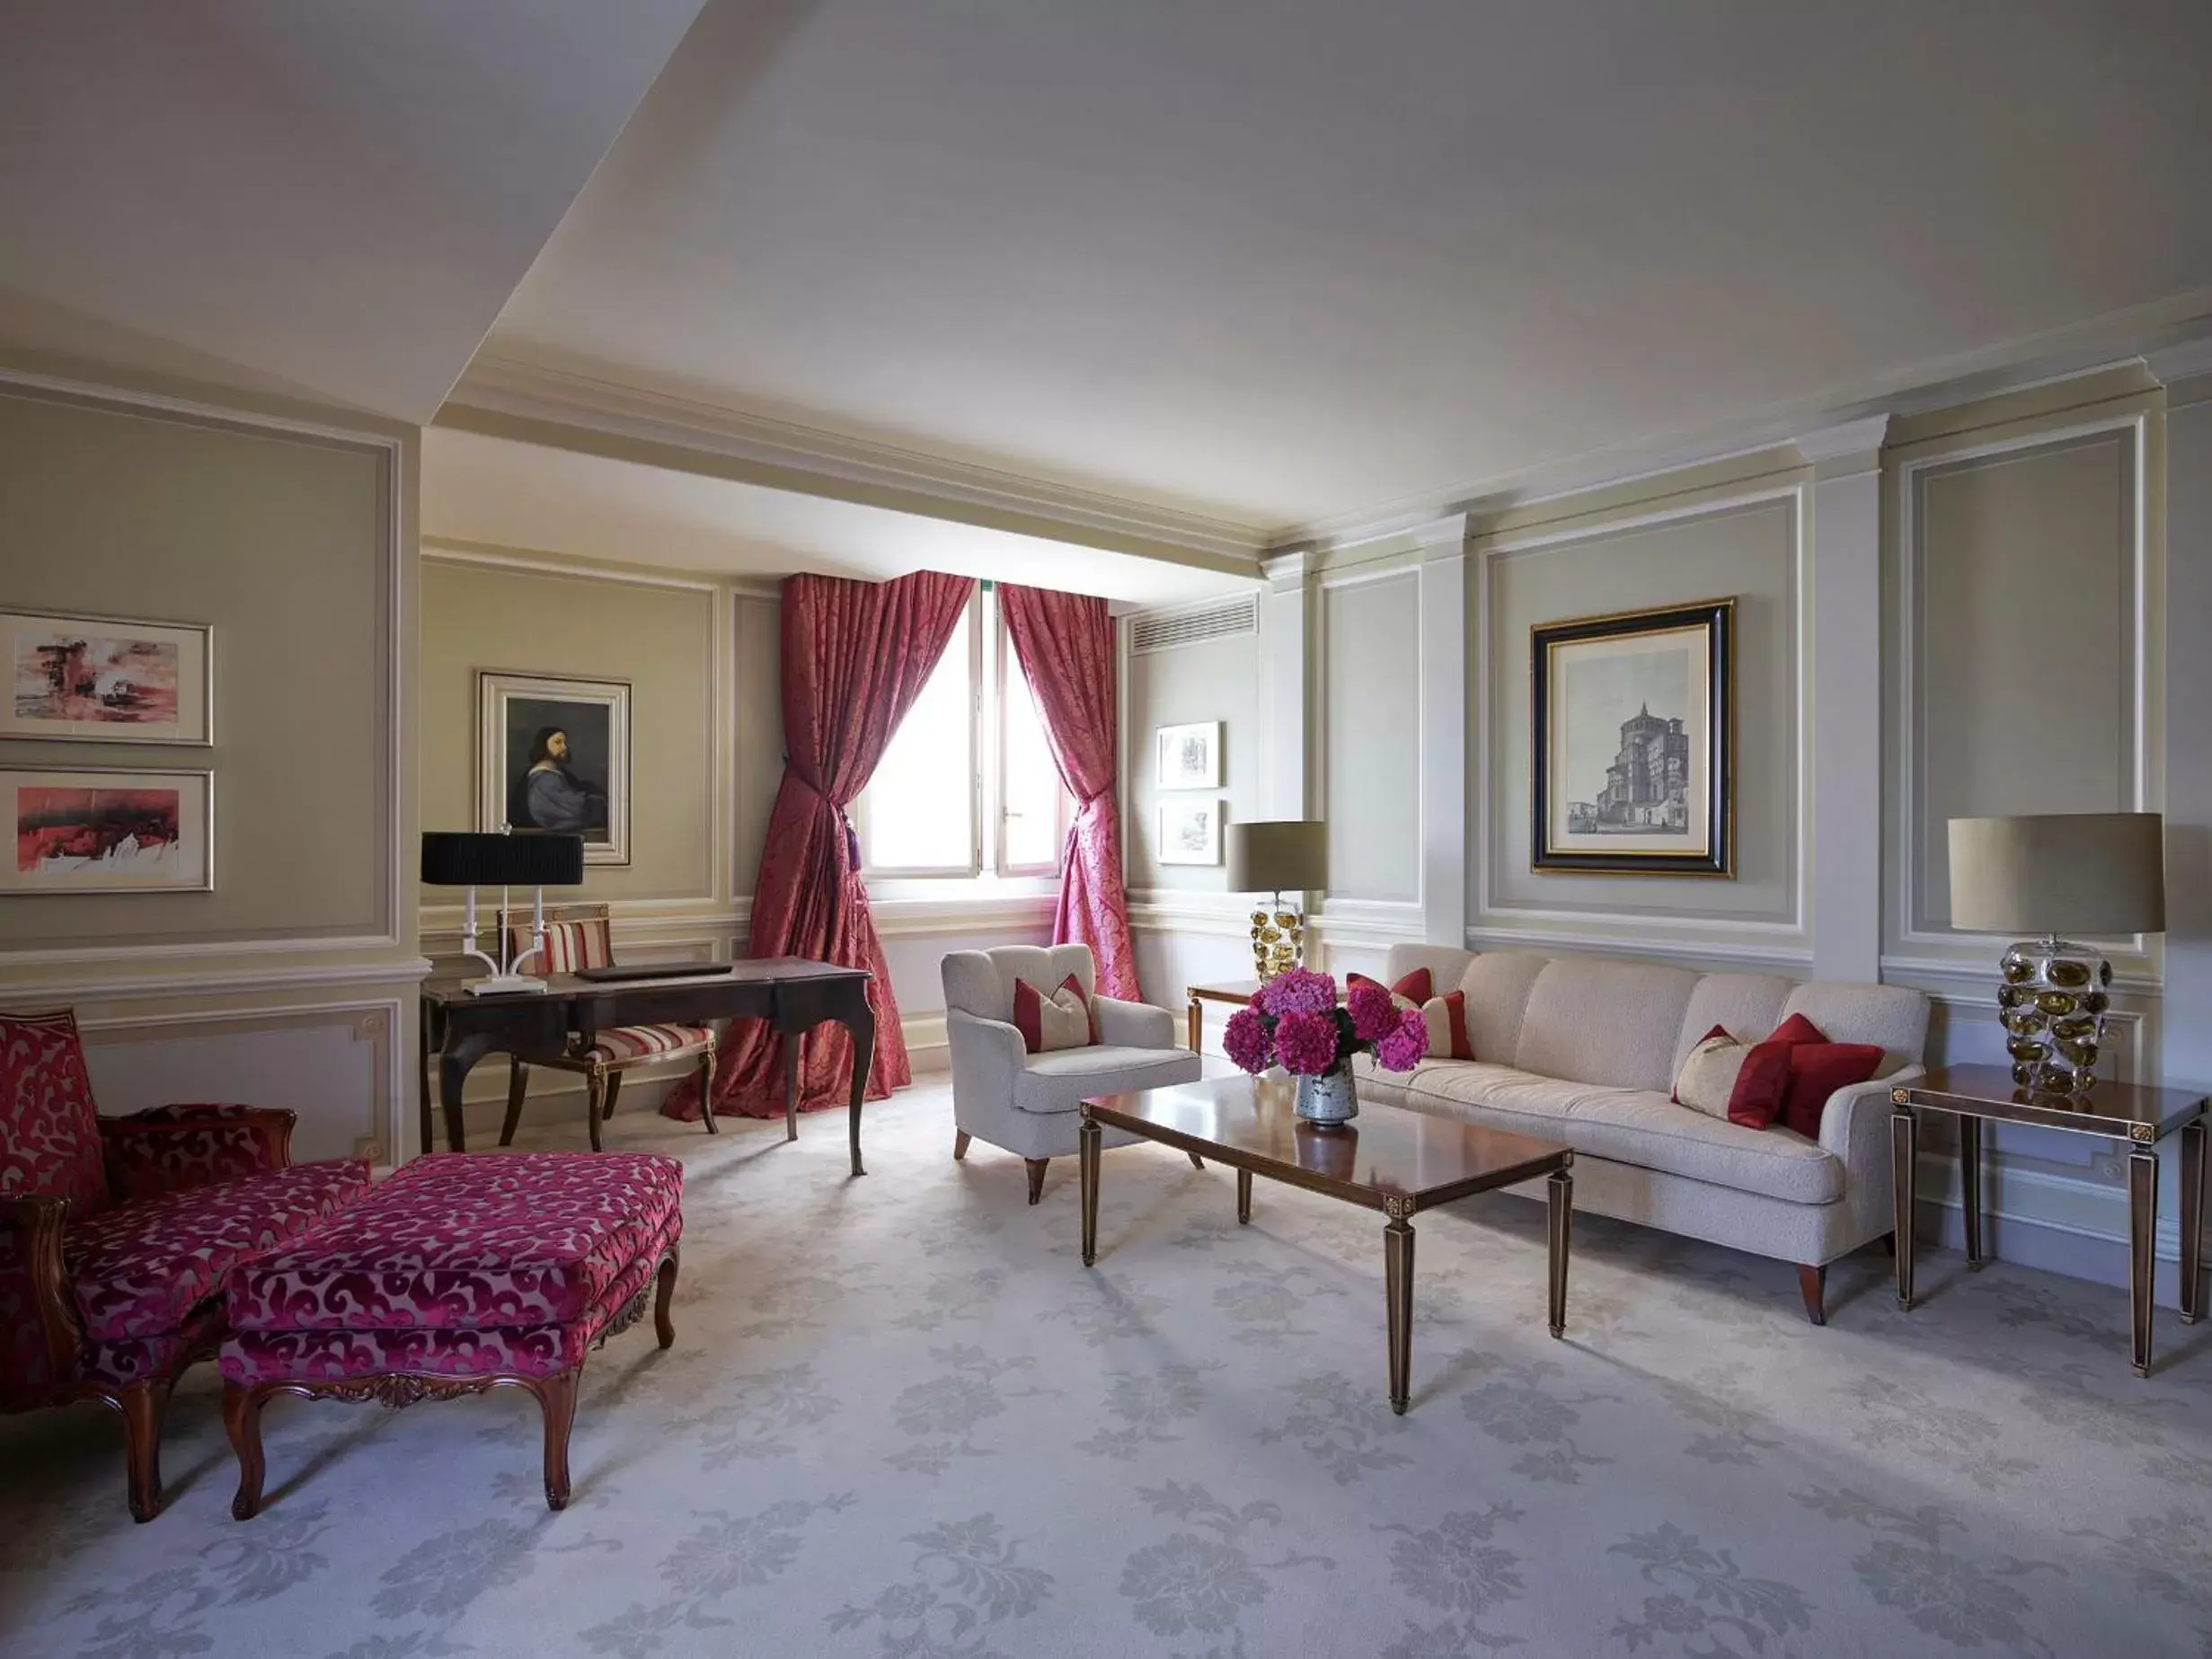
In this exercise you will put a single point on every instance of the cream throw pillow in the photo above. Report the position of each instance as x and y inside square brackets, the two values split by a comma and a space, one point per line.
[1063, 1021]
[1709, 1073]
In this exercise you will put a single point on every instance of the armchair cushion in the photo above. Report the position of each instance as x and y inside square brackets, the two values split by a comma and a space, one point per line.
[139, 1270]
[1063, 1080]
[50, 1135]
[171, 1148]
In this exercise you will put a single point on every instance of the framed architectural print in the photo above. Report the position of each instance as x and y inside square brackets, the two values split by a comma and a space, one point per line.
[95, 830]
[1632, 756]
[555, 755]
[1191, 832]
[1190, 756]
[97, 679]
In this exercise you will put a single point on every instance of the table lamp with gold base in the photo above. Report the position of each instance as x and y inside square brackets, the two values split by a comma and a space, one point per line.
[1286, 855]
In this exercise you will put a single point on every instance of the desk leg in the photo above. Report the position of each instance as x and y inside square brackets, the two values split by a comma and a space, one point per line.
[425, 1049]
[2193, 1221]
[793, 1041]
[1970, 1189]
[860, 1022]
[2142, 1261]
[1195, 1024]
[1904, 1154]
[454, 1065]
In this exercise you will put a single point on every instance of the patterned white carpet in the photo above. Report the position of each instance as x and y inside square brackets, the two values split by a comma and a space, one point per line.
[901, 1419]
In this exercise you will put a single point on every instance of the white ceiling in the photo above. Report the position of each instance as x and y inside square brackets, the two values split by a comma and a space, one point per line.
[330, 200]
[1292, 262]
[485, 489]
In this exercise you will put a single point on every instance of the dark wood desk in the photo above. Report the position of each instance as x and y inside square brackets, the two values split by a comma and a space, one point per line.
[2140, 1115]
[791, 993]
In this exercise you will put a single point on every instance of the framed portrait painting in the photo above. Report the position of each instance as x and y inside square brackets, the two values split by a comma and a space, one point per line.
[1191, 832]
[95, 679]
[1633, 750]
[1190, 756]
[555, 755]
[85, 829]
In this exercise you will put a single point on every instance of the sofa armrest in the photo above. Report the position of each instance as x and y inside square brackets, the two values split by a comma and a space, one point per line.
[31, 1228]
[1133, 1025]
[172, 1148]
[1854, 1125]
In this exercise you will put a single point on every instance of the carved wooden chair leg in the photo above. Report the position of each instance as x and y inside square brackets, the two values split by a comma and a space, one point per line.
[960, 1144]
[517, 1086]
[706, 1089]
[144, 1404]
[663, 1326]
[242, 1419]
[556, 1397]
[1037, 1166]
[1812, 1285]
[595, 1102]
[614, 1088]
[1197, 1162]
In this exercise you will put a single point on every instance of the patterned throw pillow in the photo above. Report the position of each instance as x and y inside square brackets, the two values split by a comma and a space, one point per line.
[1062, 1019]
[1744, 1083]
[1445, 1016]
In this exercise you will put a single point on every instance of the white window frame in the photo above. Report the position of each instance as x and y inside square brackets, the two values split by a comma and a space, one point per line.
[990, 651]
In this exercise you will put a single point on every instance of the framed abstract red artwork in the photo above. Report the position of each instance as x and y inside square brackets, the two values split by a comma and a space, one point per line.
[93, 679]
[92, 830]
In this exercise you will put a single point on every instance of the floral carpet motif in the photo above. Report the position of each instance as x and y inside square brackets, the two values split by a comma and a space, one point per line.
[901, 1419]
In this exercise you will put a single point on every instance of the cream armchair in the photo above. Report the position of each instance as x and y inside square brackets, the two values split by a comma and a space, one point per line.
[1027, 1103]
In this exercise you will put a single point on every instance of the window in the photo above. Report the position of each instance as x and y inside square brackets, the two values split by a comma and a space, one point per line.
[968, 789]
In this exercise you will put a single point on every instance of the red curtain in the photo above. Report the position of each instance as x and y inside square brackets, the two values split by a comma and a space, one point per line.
[1064, 643]
[855, 656]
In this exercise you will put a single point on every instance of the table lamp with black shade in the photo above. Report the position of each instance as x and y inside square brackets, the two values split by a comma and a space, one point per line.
[470, 859]
[2040, 878]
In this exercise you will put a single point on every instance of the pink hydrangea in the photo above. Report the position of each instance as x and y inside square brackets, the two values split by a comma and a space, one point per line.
[1305, 1044]
[1371, 1011]
[1299, 991]
[1402, 1048]
[1245, 1040]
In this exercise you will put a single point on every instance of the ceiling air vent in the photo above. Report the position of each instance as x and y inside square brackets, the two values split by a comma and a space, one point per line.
[1163, 631]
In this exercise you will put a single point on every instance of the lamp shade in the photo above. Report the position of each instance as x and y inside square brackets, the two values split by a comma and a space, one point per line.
[2083, 872]
[1287, 855]
[467, 858]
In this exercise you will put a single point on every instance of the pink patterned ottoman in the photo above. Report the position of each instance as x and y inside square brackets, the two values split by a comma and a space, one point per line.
[462, 1272]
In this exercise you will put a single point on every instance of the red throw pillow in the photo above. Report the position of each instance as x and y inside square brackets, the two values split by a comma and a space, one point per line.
[1816, 1071]
[1418, 986]
[1761, 1087]
[1029, 1013]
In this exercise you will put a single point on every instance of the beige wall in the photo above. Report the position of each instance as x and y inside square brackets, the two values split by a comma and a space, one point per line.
[1214, 680]
[706, 726]
[1370, 740]
[288, 529]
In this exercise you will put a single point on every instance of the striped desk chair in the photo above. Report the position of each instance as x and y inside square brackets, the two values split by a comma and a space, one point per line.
[579, 936]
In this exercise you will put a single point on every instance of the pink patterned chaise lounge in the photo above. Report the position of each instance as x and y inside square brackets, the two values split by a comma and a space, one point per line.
[116, 1234]
[460, 1274]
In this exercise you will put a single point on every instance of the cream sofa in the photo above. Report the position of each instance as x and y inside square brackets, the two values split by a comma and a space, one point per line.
[1584, 1049]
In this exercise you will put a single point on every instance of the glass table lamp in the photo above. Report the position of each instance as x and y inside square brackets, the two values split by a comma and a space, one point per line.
[2088, 873]
[1286, 855]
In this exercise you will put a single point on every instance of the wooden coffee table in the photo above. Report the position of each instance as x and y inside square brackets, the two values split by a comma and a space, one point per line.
[1388, 1158]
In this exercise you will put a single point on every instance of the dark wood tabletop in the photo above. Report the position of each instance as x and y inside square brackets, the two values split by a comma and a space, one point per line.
[1387, 1153]
[2122, 1111]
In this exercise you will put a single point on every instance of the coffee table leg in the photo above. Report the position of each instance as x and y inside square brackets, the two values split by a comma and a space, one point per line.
[1087, 1148]
[1244, 1195]
[2142, 1260]
[1971, 1189]
[1398, 1293]
[2193, 1221]
[1561, 1191]
[1904, 1155]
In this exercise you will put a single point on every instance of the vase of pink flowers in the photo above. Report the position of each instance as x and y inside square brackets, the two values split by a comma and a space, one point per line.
[1295, 1021]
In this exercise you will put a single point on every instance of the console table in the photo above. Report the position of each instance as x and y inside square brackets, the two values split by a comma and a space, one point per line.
[2141, 1116]
[790, 993]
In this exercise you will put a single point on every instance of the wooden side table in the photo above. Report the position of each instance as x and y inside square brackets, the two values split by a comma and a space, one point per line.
[2141, 1116]
[1239, 993]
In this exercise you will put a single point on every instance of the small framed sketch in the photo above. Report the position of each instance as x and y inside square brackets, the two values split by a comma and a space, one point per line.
[1632, 757]
[95, 830]
[1191, 832]
[95, 679]
[555, 755]
[1190, 756]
